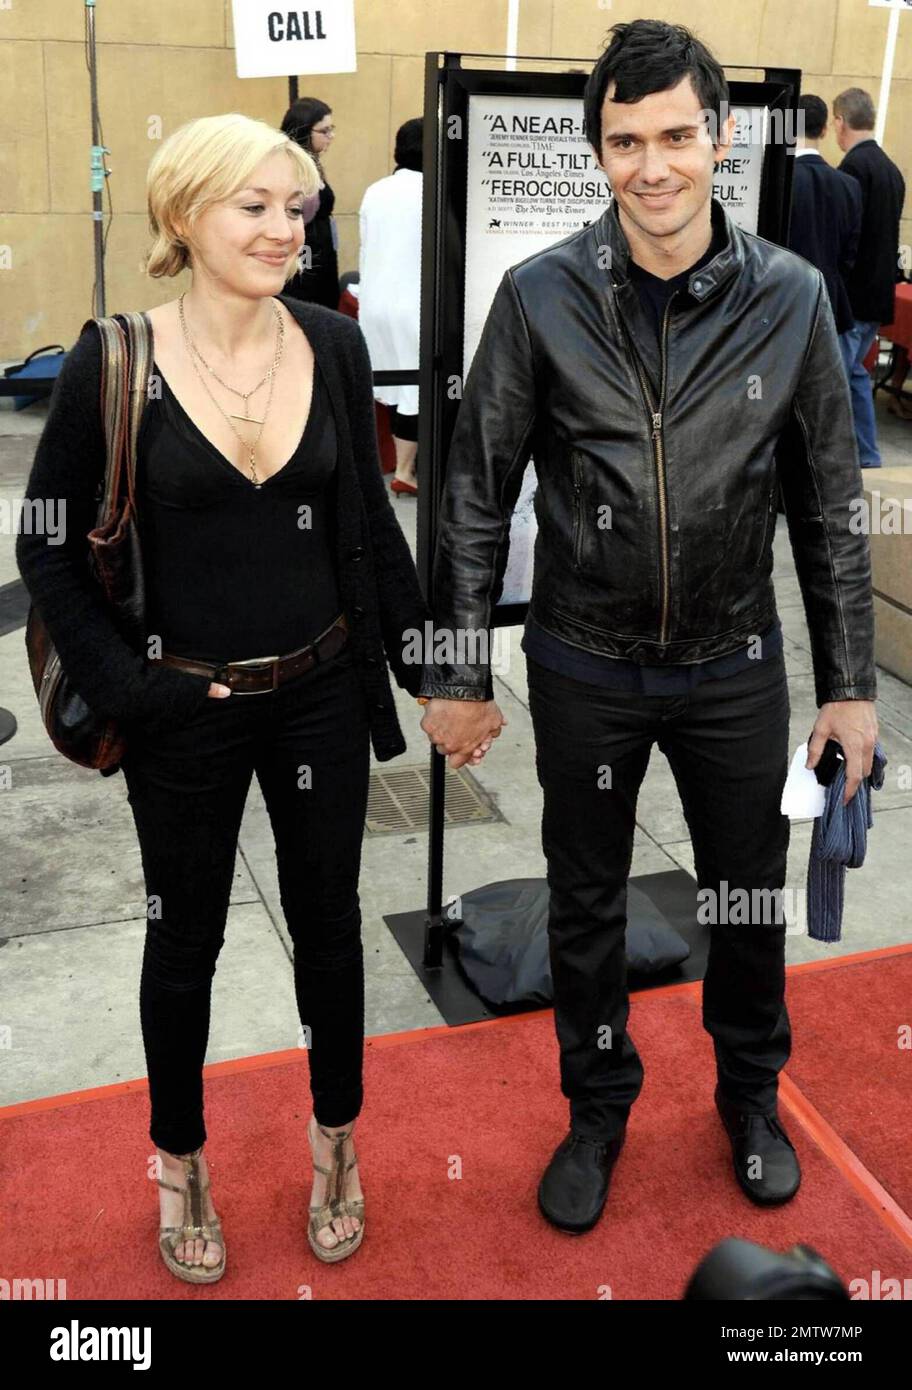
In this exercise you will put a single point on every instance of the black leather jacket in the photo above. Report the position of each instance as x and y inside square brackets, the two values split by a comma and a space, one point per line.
[684, 447]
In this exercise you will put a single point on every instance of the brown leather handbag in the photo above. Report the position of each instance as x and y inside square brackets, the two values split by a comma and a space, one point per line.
[114, 553]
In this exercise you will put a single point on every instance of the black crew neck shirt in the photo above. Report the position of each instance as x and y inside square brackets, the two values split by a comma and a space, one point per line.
[654, 292]
[235, 571]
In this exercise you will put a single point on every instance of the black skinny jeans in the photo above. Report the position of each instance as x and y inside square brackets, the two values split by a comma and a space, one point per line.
[727, 744]
[308, 743]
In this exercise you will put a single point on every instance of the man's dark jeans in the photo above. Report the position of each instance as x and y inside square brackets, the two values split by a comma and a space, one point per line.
[727, 744]
[308, 742]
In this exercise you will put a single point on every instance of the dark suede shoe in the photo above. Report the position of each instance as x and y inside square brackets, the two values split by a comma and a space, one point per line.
[777, 1175]
[574, 1187]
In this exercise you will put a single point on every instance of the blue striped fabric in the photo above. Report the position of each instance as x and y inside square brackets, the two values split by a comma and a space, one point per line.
[838, 842]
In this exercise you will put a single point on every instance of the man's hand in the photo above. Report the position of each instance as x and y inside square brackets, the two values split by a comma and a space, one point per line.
[853, 724]
[459, 727]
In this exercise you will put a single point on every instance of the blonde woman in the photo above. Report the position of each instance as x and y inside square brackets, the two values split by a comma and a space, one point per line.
[278, 586]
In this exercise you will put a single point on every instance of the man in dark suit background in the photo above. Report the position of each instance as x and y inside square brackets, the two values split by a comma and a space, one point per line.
[872, 280]
[826, 213]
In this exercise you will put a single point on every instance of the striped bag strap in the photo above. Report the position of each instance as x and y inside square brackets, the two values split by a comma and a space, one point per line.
[122, 402]
[139, 329]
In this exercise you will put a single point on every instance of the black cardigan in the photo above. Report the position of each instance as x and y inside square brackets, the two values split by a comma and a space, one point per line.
[378, 583]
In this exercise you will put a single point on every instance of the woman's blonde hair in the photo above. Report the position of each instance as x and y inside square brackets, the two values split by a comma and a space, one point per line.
[204, 162]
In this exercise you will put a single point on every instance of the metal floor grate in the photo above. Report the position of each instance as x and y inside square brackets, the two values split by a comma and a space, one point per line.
[398, 800]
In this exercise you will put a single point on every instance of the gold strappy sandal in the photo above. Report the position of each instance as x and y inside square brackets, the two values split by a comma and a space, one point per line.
[170, 1237]
[325, 1213]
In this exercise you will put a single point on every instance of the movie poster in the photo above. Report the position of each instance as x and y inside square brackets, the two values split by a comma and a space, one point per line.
[736, 182]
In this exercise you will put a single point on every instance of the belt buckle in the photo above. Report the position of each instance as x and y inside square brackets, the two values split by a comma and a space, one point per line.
[262, 661]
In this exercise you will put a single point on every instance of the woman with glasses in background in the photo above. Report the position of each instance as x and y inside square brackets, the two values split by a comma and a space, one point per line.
[308, 121]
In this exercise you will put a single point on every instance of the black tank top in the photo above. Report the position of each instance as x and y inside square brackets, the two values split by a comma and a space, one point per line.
[232, 570]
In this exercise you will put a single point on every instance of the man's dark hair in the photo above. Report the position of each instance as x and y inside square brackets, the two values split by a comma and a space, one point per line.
[648, 55]
[815, 115]
[410, 144]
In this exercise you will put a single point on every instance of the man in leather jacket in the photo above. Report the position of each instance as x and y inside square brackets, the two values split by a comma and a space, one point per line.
[667, 372]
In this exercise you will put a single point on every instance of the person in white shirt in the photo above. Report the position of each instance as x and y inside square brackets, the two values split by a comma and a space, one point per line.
[389, 290]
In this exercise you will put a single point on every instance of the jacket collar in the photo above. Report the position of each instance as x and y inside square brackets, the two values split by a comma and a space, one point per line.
[703, 282]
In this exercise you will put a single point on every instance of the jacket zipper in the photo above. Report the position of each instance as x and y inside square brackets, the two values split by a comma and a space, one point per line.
[658, 450]
[577, 505]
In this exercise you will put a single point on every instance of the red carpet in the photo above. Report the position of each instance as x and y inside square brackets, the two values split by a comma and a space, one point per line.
[457, 1127]
[847, 1025]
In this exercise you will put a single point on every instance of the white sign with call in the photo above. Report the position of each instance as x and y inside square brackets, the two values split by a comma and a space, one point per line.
[273, 40]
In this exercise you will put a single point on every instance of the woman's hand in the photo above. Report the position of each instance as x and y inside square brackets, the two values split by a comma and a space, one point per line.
[218, 692]
[480, 751]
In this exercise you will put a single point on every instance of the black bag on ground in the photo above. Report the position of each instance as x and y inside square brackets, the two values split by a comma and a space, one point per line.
[501, 933]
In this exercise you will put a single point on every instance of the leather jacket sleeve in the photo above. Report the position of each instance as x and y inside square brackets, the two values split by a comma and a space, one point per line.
[818, 467]
[489, 451]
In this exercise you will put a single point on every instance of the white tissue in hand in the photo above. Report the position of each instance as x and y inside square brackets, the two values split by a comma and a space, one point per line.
[803, 798]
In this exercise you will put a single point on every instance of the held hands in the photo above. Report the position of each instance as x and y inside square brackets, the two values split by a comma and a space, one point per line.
[462, 729]
[853, 724]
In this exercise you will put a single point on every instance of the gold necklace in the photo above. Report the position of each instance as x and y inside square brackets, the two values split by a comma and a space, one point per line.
[270, 377]
[244, 395]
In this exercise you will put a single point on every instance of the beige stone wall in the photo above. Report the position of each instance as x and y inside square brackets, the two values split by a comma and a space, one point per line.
[174, 59]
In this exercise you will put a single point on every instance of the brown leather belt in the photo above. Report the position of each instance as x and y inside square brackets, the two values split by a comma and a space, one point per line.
[263, 673]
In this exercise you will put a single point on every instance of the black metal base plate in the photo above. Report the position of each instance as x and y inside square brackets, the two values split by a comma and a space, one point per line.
[673, 894]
